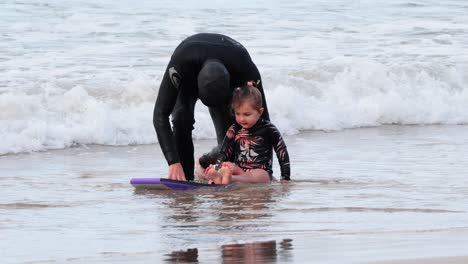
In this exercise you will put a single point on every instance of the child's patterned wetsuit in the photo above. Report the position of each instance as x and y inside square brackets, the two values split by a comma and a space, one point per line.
[252, 148]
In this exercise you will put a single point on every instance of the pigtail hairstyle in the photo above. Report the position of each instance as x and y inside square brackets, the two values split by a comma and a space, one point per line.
[248, 92]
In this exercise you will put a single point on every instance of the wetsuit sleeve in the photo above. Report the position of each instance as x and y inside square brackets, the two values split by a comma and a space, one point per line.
[223, 152]
[281, 152]
[266, 114]
[162, 110]
[227, 148]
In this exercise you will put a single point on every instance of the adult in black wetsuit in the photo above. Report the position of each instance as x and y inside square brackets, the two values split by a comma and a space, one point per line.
[207, 67]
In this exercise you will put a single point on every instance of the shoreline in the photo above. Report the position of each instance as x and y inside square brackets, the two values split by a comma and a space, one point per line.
[205, 144]
[433, 260]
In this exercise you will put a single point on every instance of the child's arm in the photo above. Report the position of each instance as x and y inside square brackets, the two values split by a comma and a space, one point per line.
[281, 153]
[227, 148]
[221, 153]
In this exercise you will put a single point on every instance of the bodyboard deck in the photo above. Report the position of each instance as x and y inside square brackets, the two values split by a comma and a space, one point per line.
[168, 184]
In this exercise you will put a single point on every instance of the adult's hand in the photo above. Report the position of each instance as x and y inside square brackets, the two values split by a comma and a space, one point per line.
[176, 172]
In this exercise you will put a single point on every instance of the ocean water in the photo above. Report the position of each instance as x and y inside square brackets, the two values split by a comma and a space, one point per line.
[357, 195]
[87, 72]
[370, 95]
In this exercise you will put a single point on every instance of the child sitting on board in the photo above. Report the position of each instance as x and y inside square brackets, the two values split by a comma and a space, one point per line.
[246, 154]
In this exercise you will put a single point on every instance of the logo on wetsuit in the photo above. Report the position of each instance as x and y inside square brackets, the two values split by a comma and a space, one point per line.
[175, 77]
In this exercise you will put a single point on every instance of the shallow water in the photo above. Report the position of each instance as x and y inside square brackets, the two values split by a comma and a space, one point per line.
[357, 195]
[87, 72]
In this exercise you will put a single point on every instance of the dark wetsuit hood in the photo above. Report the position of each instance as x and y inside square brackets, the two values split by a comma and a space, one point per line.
[213, 83]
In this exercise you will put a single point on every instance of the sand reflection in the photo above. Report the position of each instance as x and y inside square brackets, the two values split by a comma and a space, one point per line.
[247, 202]
[256, 252]
[183, 256]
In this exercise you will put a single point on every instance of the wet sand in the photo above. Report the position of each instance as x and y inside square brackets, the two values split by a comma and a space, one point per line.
[394, 194]
[441, 260]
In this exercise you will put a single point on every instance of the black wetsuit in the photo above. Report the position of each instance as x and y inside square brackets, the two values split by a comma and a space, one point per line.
[252, 148]
[178, 93]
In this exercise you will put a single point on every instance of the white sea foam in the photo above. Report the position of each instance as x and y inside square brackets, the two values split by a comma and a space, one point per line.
[86, 73]
[347, 93]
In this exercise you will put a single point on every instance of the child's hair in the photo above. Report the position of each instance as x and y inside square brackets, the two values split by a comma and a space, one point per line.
[246, 93]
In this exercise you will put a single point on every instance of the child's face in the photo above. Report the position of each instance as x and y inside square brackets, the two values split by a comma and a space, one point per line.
[247, 115]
